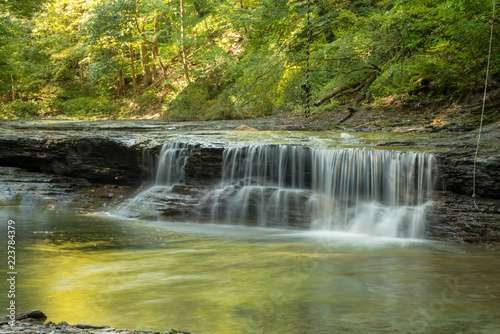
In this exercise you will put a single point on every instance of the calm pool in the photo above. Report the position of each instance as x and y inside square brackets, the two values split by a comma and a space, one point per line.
[132, 274]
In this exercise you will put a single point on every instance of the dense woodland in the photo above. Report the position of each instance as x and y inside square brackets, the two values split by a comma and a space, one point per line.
[217, 59]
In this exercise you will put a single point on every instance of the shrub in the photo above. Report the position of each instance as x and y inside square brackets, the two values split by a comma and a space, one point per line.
[20, 109]
[89, 107]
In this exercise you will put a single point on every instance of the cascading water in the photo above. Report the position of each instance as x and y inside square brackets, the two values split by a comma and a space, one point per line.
[358, 190]
[381, 193]
[262, 185]
[169, 172]
[171, 162]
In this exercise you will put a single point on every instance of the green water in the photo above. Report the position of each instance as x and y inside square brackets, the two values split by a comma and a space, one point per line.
[225, 279]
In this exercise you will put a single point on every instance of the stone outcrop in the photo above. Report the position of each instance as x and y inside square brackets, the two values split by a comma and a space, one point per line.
[457, 217]
[96, 159]
[457, 174]
[204, 166]
[105, 165]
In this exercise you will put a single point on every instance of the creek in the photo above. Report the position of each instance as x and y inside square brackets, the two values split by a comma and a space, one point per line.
[235, 279]
[319, 236]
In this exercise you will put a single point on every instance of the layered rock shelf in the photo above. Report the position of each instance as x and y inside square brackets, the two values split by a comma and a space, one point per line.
[95, 165]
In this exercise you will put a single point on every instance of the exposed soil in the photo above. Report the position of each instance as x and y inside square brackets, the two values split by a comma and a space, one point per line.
[397, 114]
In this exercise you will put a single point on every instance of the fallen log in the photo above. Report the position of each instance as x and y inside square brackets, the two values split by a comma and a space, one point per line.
[337, 91]
[360, 86]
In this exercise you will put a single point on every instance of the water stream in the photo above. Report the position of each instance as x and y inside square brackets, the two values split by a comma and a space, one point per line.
[292, 239]
[380, 193]
[236, 279]
[360, 190]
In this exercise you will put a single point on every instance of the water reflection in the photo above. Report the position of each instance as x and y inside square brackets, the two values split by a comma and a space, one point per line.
[227, 279]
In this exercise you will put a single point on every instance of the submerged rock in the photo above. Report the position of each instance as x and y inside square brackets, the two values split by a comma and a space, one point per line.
[29, 315]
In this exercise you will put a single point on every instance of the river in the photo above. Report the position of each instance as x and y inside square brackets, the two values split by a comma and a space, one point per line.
[206, 278]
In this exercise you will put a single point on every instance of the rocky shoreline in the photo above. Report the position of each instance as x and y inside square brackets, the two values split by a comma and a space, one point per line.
[91, 166]
[37, 327]
[33, 322]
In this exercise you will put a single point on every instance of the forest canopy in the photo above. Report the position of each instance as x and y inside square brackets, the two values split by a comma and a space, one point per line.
[218, 59]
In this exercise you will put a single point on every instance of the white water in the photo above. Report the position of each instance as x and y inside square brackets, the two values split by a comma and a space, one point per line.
[374, 192]
[170, 165]
[168, 170]
[381, 193]
[364, 191]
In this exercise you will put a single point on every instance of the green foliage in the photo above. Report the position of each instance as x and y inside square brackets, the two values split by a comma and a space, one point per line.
[229, 59]
[87, 107]
[201, 100]
[24, 8]
[445, 42]
[20, 109]
[110, 22]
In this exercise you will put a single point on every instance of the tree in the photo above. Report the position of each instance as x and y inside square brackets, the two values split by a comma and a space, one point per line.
[221, 58]
[391, 50]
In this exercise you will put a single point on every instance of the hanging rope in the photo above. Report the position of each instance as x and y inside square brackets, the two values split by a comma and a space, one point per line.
[306, 86]
[492, 21]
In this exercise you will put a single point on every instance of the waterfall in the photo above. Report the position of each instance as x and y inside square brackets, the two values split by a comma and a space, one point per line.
[171, 162]
[262, 185]
[382, 193]
[168, 171]
[375, 192]
[357, 190]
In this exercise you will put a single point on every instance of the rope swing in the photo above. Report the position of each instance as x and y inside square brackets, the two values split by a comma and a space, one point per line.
[306, 87]
[492, 21]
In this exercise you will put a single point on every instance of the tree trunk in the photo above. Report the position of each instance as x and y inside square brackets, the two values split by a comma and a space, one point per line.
[13, 88]
[132, 67]
[121, 75]
[337, 91]
[183, 45]
[361, 95]
[147, 78]
[154, 51]
[157, 56]
[89, 93]
[82, 79]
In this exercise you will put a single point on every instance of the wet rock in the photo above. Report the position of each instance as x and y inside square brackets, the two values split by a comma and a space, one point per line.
[34, 314]
[40, 190]
[93, 157]
[87, 326]
[456, 174]
[204, 166]
[28, 327]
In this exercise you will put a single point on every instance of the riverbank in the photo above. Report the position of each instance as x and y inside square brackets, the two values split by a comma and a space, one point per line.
[36, 327]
